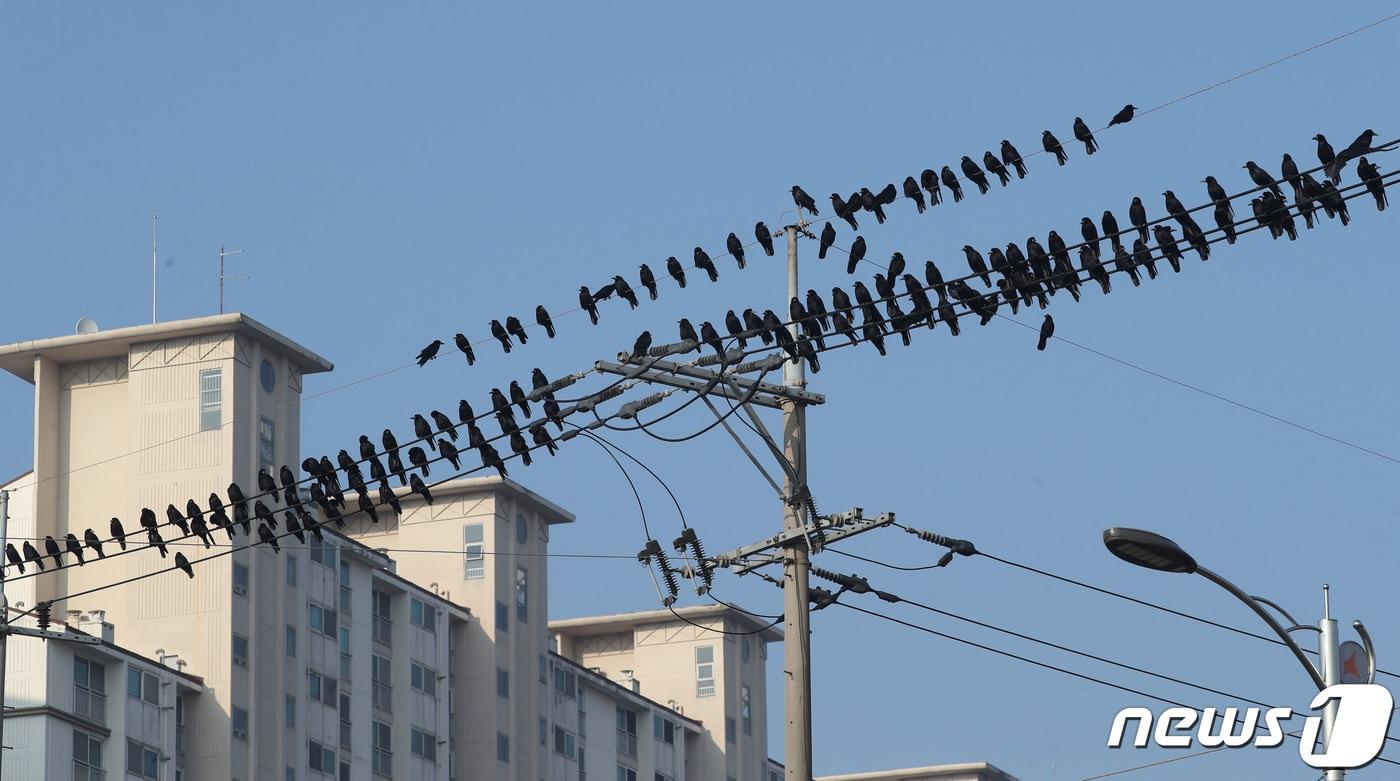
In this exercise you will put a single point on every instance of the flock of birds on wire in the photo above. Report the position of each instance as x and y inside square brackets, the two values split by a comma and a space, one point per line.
[1024, 276]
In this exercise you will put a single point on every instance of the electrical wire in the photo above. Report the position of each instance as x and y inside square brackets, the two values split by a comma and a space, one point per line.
[881, 563]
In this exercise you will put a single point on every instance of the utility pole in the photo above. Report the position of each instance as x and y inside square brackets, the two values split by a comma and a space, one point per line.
[223, 254]
[1330, 660]
[797, 745]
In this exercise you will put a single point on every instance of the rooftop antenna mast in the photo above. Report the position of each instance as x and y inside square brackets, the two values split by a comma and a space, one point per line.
[153, 266]
[223, 254]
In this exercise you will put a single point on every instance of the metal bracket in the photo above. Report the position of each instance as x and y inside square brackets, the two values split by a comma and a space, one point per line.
[839, 526]
[695, 372]
[47, 634]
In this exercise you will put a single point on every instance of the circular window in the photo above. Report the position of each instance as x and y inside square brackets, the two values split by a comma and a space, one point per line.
[744, 649]
[267, 375]
[522, 529]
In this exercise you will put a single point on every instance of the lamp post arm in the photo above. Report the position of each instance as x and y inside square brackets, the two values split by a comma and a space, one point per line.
[1268, 619]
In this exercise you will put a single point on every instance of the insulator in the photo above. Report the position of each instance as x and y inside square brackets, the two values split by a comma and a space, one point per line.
[653, 547]
[689, 541]
[587, 405]
[664, 564]
[714, 358]
[663, 350]
[763, 364]
[562, 382]
[814, 517]
[43, 613]
[631, 408]
[960, 547]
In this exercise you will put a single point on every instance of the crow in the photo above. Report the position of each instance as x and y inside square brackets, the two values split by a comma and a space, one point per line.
[736, 248]
[1142, 256]
[710, 337]
[541, 438]
[1178, 210]
[1326, 156]
[183, 564]
[1167, 243]
[975, 175]
[1110, 229]
[396, 466]
[294, 525]
[32, 556]
[995, 166]
[177, 520]
[978, 266]
[499, 331]
[1262, 178]
[817, 308]
[219, 517]
[1082, 133]
[489, 457]
[444, 425]
[840, 302]
[416, 485]
[754, 325]
[884, 285]
[1290, 173]
[154, 540]
[514, 328]
[1217, 195]
[929, 181]
[74, 547]
[201, 530]
[951, 182]
[551, 412]
[1052, 145]
[466, 348]
[118, 533]
[838, 205]
[872, 334]
[196, 515]
[588, 303]
[923, 307]
[1355, 149]
[537, 380]
[789, 345]
[1123, 263]
[1089, 261]
[12, 554]
[428, 353]
[648, 281]
[1137, 214]
[519, 398]
[643, 343]
[984, 307]
[803, 200]
[842, 325]
[544, 321]
[888, 195]
[1197, 239]
[857, 254]
[518, 446]
[1224, 220]
[1090, 232]
[235, 497]
[269, 539]
[1047, 330]
[262, 513]
[421, 429]
[1124, 116]
[367, 450]
[804, 349]
[1057, 248]
[913, 193]
[1011, 157]
[449, 452]
[386, 496]
[673, 267]
[934, 278]
[265, 483]
[703, 262]
[828, 237]
[687, 333]
[419, 459]
[1370, 173]
[625, 291]
[947, 315]
[806, 322]
[764, 236]
[871, 202]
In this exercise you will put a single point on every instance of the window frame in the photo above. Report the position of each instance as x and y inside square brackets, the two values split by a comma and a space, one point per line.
[211, 399]
[705, 683]
[473, 551]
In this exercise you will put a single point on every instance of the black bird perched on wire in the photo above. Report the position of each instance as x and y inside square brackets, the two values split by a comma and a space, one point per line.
[366, 448]
[419, 459]
[1089, 262]
[75, 548]
[172, 514]
[923, 307]
[929, 181]
[765, 238]
[94, 542]
[499, 331]
[588, 303]
[1123, 263]
[754, 325]
[1052, 145]
[643, 343]
[541, 438]
[703, 262]
[884, 285]
[1178, 210]
[950, 180]
[518, 446]
[975, 175]
[977, 264]
[1217, 195]
[537, 379]
[154, 540]
[838, 205]
[269, 539]
[887, 195]
[1090, 232]
[625, 291]
[514, 328]
[1262, 178]
[449, 452]
[808, 323]
[114, 527]
[52, 549]
[1110, 229]
[787, 343]
[828, 238]
[262, 513]
[803, 200]
[872, 204]
[219, 516]
[196, 515]
[1167, 243]
[857, 254]
[1124, 116]
[1224, 220]
[466, 348]
[428, 353]
[234, 494]
[444, 425]
[465, 414]
[982, 306]
[1289, 169]
[1333, 202]
[1325, 155]
[874, 335]
[386, 496]
[934, 278]
[294, 526]
[1197, 238]
[995, 166]
[200, 529]
[710, 337]
[648, 281]
[1355, 149]
[489, 457]
[913, 193]
[391, 445]
[804, 349]
[31, 555]
[544, 321]
[673, 267]
[265, 484]
[421, 429]
[1142, 256]
[241, 517]
[817, 308]
[1370, 173]
[1047, 330]
[12, 554]
[842, 325]
[687, 333]
[1040, 263]
[1011, 157]
[1082, 133]
[1137, 215]
[183, 564]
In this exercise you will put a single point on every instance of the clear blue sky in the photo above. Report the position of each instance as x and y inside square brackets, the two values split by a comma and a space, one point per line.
[395, 174]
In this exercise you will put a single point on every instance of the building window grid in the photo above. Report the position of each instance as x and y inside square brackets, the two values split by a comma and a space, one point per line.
[142, 761]
[422, 744]
[522, 595]
[239, 721]
[320, 757]
[705, 671]
[502, 747]
[323, 620]
[90, 689]
[240, 578]
[382, 757]
[382, 690]
[473, 551]
[344, 586]
[422, 614]
[502, 683]
[423, 679]
[745, 709]
[87, 757]
[345, 652]
[383, 617]
[211, 399]
[344, 720]
[142, 686]
[322, 688]
[664, 730]
[627, 732]
[240, 650]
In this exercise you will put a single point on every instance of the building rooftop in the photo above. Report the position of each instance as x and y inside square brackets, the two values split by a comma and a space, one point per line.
[616, 622]
[608, 683]
[979, 770]
[553, 513]
[17, 358]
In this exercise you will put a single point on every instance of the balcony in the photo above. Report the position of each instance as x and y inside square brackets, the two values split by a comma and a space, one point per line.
[90, 704]
[82, 772]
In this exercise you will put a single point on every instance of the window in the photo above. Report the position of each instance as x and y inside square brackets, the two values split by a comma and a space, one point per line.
[383, 619]
[267, 375]
[522, 595]
[240, 723]
[322, 553]
[321, 758]
[544, 732]
[345, 652]
[291, 570]
[422, 744]
[344, 771]
[291, 641]
[565, 681]
[345, 721]
[705, 671]
[379, 674]
[383, 758]
[502, 747]
[289, 711]
[142, 761]
[90, 689]
[544, 670]
[473, 551]
[179, 730]
[565, 742]
[344, 585]
[422, 614]
[502, 683]
[240, 650]
[267, 444]
[627, 732]
[625, 773]
[211, 399]
[502, 617]
[322, 688]
[290, 774]
[142, 686]
[87, 757]
[423, 679]
[522, 530]
[728, 729]
[745, 710]
[322, 620]
[664, 729]
[240, 578]
[744, 650]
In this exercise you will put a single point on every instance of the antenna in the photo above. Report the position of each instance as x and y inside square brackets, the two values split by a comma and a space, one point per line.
[153, 266]
[223, 254]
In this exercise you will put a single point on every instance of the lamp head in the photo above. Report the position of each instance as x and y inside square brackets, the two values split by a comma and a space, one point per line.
[1149, 550]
